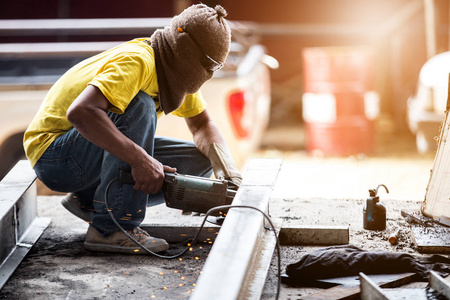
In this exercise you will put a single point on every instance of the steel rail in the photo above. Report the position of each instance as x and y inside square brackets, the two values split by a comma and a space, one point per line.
[238, 262]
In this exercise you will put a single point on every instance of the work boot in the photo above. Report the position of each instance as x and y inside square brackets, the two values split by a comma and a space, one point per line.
[72, 204]
[120, 243]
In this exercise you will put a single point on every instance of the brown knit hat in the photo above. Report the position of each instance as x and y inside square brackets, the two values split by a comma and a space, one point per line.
[207, 27]
[187, 52]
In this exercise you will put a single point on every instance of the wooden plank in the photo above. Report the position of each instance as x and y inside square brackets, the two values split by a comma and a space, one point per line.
[431, 239]
[416, 216]
[296, 235]
[437, 202]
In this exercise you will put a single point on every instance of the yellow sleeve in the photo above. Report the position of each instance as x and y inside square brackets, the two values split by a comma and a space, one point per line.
[192, 105]
[121, 78]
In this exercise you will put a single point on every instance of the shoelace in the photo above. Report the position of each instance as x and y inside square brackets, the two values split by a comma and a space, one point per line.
[138, 233]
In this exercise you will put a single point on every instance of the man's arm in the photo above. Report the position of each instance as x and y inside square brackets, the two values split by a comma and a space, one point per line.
[88, 115]
[211, 143]
[204, 132]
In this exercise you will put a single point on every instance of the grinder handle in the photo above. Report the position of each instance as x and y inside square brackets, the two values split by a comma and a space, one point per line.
[125, 177]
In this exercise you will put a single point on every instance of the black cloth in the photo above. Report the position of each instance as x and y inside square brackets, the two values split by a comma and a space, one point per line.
[349, 260]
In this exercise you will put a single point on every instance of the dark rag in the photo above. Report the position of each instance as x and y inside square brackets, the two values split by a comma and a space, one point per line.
[348, 260]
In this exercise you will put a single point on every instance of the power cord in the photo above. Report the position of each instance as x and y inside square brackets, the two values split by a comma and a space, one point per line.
[209, 212]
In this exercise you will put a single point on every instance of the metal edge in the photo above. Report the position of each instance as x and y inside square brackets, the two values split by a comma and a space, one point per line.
[34, 231]
[369, 290]
[438, 284]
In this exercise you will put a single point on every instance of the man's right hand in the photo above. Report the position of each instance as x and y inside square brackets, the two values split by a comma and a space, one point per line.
[149, 175]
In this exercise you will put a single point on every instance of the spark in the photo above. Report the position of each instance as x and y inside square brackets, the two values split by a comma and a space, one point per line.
[161, 273]
[197, 258]
[166, 288]
[180, 285]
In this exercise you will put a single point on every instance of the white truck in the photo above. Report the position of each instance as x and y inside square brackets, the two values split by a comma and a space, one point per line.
[238, 96]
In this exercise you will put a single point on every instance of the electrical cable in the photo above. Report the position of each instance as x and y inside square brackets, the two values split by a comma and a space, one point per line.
[212, 210]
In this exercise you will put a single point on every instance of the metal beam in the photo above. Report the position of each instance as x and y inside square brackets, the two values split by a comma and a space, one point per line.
[228, 271]
[19, 225]
[369, 290]
[439, 284]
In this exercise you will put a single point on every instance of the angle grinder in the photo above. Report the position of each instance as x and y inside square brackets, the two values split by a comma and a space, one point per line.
[191, 193]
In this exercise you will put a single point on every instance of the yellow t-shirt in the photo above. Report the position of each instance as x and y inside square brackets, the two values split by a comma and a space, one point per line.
[120, 73]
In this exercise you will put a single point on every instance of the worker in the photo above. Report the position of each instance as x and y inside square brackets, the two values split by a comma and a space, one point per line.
[100, 117]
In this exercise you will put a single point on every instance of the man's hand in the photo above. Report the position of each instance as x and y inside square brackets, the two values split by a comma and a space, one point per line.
[149, 176]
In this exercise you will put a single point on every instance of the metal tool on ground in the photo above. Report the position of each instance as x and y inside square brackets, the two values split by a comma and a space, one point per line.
[374, 211]
[191, 193]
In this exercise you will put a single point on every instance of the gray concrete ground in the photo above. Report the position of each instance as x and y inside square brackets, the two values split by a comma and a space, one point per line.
[310, 190]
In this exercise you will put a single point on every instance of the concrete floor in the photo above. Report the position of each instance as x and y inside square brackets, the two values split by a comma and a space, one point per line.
[309, 190]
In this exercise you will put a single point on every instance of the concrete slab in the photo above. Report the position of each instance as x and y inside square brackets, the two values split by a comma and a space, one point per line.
[299, 235]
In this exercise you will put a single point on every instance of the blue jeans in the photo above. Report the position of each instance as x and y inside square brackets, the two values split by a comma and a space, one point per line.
[73, 164]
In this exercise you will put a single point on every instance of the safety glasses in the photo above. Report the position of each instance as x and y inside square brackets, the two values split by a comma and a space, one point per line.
[208, 62]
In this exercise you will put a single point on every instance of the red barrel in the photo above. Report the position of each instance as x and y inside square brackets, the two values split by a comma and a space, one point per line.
[339, 102]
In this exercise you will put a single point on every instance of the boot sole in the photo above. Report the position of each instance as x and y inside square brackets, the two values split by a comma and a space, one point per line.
[76, 210]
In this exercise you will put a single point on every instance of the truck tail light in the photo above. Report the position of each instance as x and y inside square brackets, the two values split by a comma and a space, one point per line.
[236, 105]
